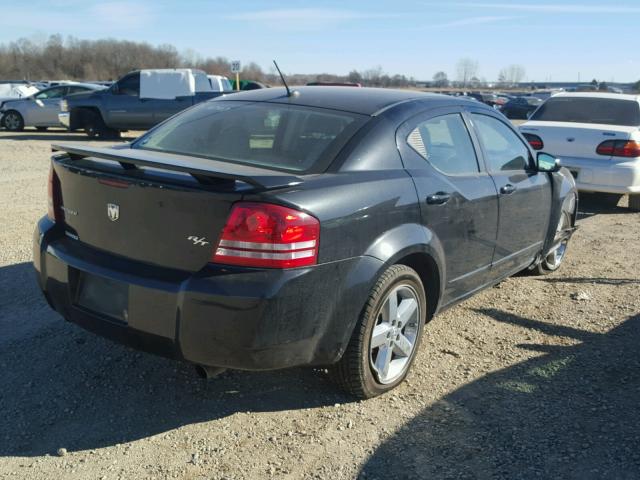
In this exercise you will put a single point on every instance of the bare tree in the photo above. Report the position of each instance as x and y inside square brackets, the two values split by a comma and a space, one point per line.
[466, 69]
[511, 75]
[440, 80]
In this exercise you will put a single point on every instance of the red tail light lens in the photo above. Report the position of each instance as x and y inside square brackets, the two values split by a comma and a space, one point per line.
[266, 235]
[619, 148]
[534, 140]
[54, 197]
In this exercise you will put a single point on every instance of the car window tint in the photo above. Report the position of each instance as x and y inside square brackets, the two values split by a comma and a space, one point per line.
[266, 134]
[445, 143]
[76, 90]
[57, 92]
[504, 149]
[130, 85]
[606, 111]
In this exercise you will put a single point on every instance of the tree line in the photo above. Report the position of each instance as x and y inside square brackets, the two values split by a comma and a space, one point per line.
[57, 58]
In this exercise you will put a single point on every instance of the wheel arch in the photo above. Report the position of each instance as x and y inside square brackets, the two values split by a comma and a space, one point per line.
[563, 187]
[415, 246]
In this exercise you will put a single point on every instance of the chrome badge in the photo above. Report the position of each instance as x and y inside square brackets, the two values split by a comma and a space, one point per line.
[113, 211]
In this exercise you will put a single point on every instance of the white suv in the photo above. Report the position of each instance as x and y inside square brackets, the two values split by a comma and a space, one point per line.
[596, 136]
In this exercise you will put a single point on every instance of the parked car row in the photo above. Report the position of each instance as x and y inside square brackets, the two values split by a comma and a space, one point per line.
[139, 100]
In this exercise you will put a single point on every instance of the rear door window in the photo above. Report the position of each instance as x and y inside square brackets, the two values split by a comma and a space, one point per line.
[273, 135]
[607, 111]
[444, 142]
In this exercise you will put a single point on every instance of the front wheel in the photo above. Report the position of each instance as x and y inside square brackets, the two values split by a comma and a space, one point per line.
[634, 202]
[554, 258]
[13, 121]
[386, 338]
[94, 126]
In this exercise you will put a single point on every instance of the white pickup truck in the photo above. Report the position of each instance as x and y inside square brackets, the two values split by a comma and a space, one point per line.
[596, 136]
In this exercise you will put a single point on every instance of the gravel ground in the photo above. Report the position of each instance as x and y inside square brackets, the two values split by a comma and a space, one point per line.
[535, 378]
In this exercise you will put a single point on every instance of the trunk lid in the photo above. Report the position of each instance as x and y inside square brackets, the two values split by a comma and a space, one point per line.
[576, 140]
[149, 214]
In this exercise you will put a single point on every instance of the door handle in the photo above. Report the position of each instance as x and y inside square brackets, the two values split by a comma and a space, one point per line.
[508, 189]
[438, 198]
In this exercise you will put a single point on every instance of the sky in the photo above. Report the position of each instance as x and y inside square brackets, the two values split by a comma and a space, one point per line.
[554, 41]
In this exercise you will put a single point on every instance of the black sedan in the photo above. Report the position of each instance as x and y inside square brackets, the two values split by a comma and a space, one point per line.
[520, 107]
[323, 227]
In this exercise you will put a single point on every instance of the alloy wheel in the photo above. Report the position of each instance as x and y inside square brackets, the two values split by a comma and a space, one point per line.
[393, 338]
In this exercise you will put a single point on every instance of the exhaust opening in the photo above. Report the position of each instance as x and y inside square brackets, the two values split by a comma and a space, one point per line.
[208, 373]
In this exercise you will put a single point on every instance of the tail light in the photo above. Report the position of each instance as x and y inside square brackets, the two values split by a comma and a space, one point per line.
[54, 198]
[619, 148]
[534, 140]
[267, 235]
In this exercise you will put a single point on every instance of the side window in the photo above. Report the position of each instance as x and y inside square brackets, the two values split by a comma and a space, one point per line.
[445, 143]
[504, 149]
[130, 85]
[76, 90]
[57, 92]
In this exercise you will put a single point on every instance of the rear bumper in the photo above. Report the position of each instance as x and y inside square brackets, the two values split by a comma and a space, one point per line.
[220, 316]
[606, 176]
[65, 119]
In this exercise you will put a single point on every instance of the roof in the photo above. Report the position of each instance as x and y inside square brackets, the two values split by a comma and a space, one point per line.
[612, 96]
[74, 84]
[366, 101]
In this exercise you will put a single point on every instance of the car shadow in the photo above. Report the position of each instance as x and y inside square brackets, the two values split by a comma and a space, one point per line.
[590, 205]
[592, 280]
[570, 413]
[63, 387]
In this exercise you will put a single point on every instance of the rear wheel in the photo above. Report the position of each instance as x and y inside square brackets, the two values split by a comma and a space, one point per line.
[13, 121]
[634, 202]
[386, 338]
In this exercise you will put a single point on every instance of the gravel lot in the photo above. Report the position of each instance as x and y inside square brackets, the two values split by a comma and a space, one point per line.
[536, 378]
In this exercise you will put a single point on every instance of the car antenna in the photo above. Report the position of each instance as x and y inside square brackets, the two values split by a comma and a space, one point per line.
[289, 92]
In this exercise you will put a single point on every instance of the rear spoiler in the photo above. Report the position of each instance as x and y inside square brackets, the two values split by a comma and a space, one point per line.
[199, 168]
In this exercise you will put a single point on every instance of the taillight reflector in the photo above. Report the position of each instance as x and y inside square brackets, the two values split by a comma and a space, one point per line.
[54, 197]
[534, 140]
[619, 148]
[267, 235]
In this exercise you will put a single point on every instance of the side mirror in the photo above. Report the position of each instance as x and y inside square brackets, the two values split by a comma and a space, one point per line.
[547, 163]
[39, 103]
[529, 115]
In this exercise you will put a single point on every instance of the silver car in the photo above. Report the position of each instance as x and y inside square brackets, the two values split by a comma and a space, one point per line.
[41, 109]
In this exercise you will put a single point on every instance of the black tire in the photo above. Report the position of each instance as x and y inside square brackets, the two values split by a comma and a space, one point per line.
[13, 121]
[94, 126]
[42, 129]
[634, 202]
[355, 372]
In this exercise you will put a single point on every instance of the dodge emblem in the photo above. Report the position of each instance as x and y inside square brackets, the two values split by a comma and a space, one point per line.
[113, 211]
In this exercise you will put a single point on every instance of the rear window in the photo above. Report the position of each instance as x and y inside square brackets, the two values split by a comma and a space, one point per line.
[285, 137]
[589, 110]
